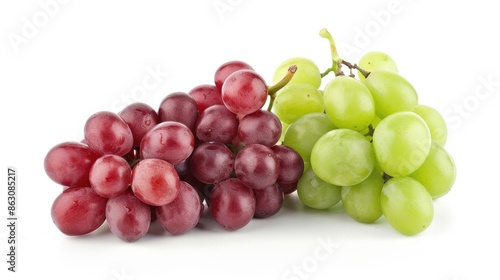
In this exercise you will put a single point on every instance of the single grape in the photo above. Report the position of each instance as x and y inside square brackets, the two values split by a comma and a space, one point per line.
[108, 133]
[296, 100]
[257, 166]
[437, 173]
[348, 103]
[206, 96]
[407, 205]
[170, 141]
[268, 201]
[110, 175]
[141, 118]
[155, 181]
[401, 142]
[303, 133]
[435, 122]
[376, 60]
[183, 213]
[212, 162]
[391, 92]
[362, 201]
[227, 69]
[342, 157]
[260, 127]
[291, 164]
[232, 204]
[307, 72]
[78, 211]
[288, 188]
[244, 92]
[69, 164]
[316, 193]
[128, 217]
[217, 124]
[179, 107]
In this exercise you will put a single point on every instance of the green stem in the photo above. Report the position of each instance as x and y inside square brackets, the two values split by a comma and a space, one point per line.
[336, 60]
[273, 90]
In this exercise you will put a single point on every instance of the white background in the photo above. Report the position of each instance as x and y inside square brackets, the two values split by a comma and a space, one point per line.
[80, 57]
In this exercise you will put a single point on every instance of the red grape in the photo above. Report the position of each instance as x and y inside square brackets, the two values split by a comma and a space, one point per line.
[110, 175]
[227, 69]
[260, 127]
[257, 166]
[232, 204]
[78, 211]
[206, 96]
[212, 162]
[291, 164]
[69, 164]
[244, 92]
[179, 107]
[268, 201]
[128, 217]
[155, 181]
[183, 213]
[170, 141]
[108, 133]
[140, 118]
[217, 124]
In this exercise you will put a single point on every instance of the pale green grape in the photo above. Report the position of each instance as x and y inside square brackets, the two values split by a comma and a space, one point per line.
[342, 157]
[362, 201]
[297, 100]
[401, 142]
[407, 205]
[348, 103]
[316, 193]
[437, 173]
[391, 92]
[307, 72]
[435, 122]
[303, 133]
[376, 60]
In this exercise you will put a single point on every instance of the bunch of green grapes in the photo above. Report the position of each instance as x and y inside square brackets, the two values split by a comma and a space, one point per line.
[366, 141]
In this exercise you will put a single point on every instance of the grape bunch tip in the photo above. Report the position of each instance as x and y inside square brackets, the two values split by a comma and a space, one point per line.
[360, 140]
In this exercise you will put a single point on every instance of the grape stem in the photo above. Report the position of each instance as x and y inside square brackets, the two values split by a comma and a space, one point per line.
[273, 90]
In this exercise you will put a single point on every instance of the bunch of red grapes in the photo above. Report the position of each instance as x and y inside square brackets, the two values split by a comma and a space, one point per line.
[212, 147]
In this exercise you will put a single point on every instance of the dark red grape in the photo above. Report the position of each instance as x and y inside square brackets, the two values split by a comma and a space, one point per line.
[291, 164]
[155, 181]
[78, 211]
[257, 166]
[170, 141]
[217, 124]
[244, 92]
[232, 204]
[69, 164]
[260, 127]
[140, 117]
[179, 107]
[110, 175]
[212, 162]
[128, 217]
[268, 201]
[108, 133]
[183, 213]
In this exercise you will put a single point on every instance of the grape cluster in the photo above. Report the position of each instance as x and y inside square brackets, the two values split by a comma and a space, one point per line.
[213, 146]
[366, 142]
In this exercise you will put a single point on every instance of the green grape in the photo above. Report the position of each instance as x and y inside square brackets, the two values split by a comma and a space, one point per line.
[303, 133]
[376, 60]
[342, 157]
[391, 92]
[362, 201]
[401, 142]
[297, 100]
[316, 193]
[437, 173]
[307, 72]
[435, 122]
[348, 103]
[407, 205]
